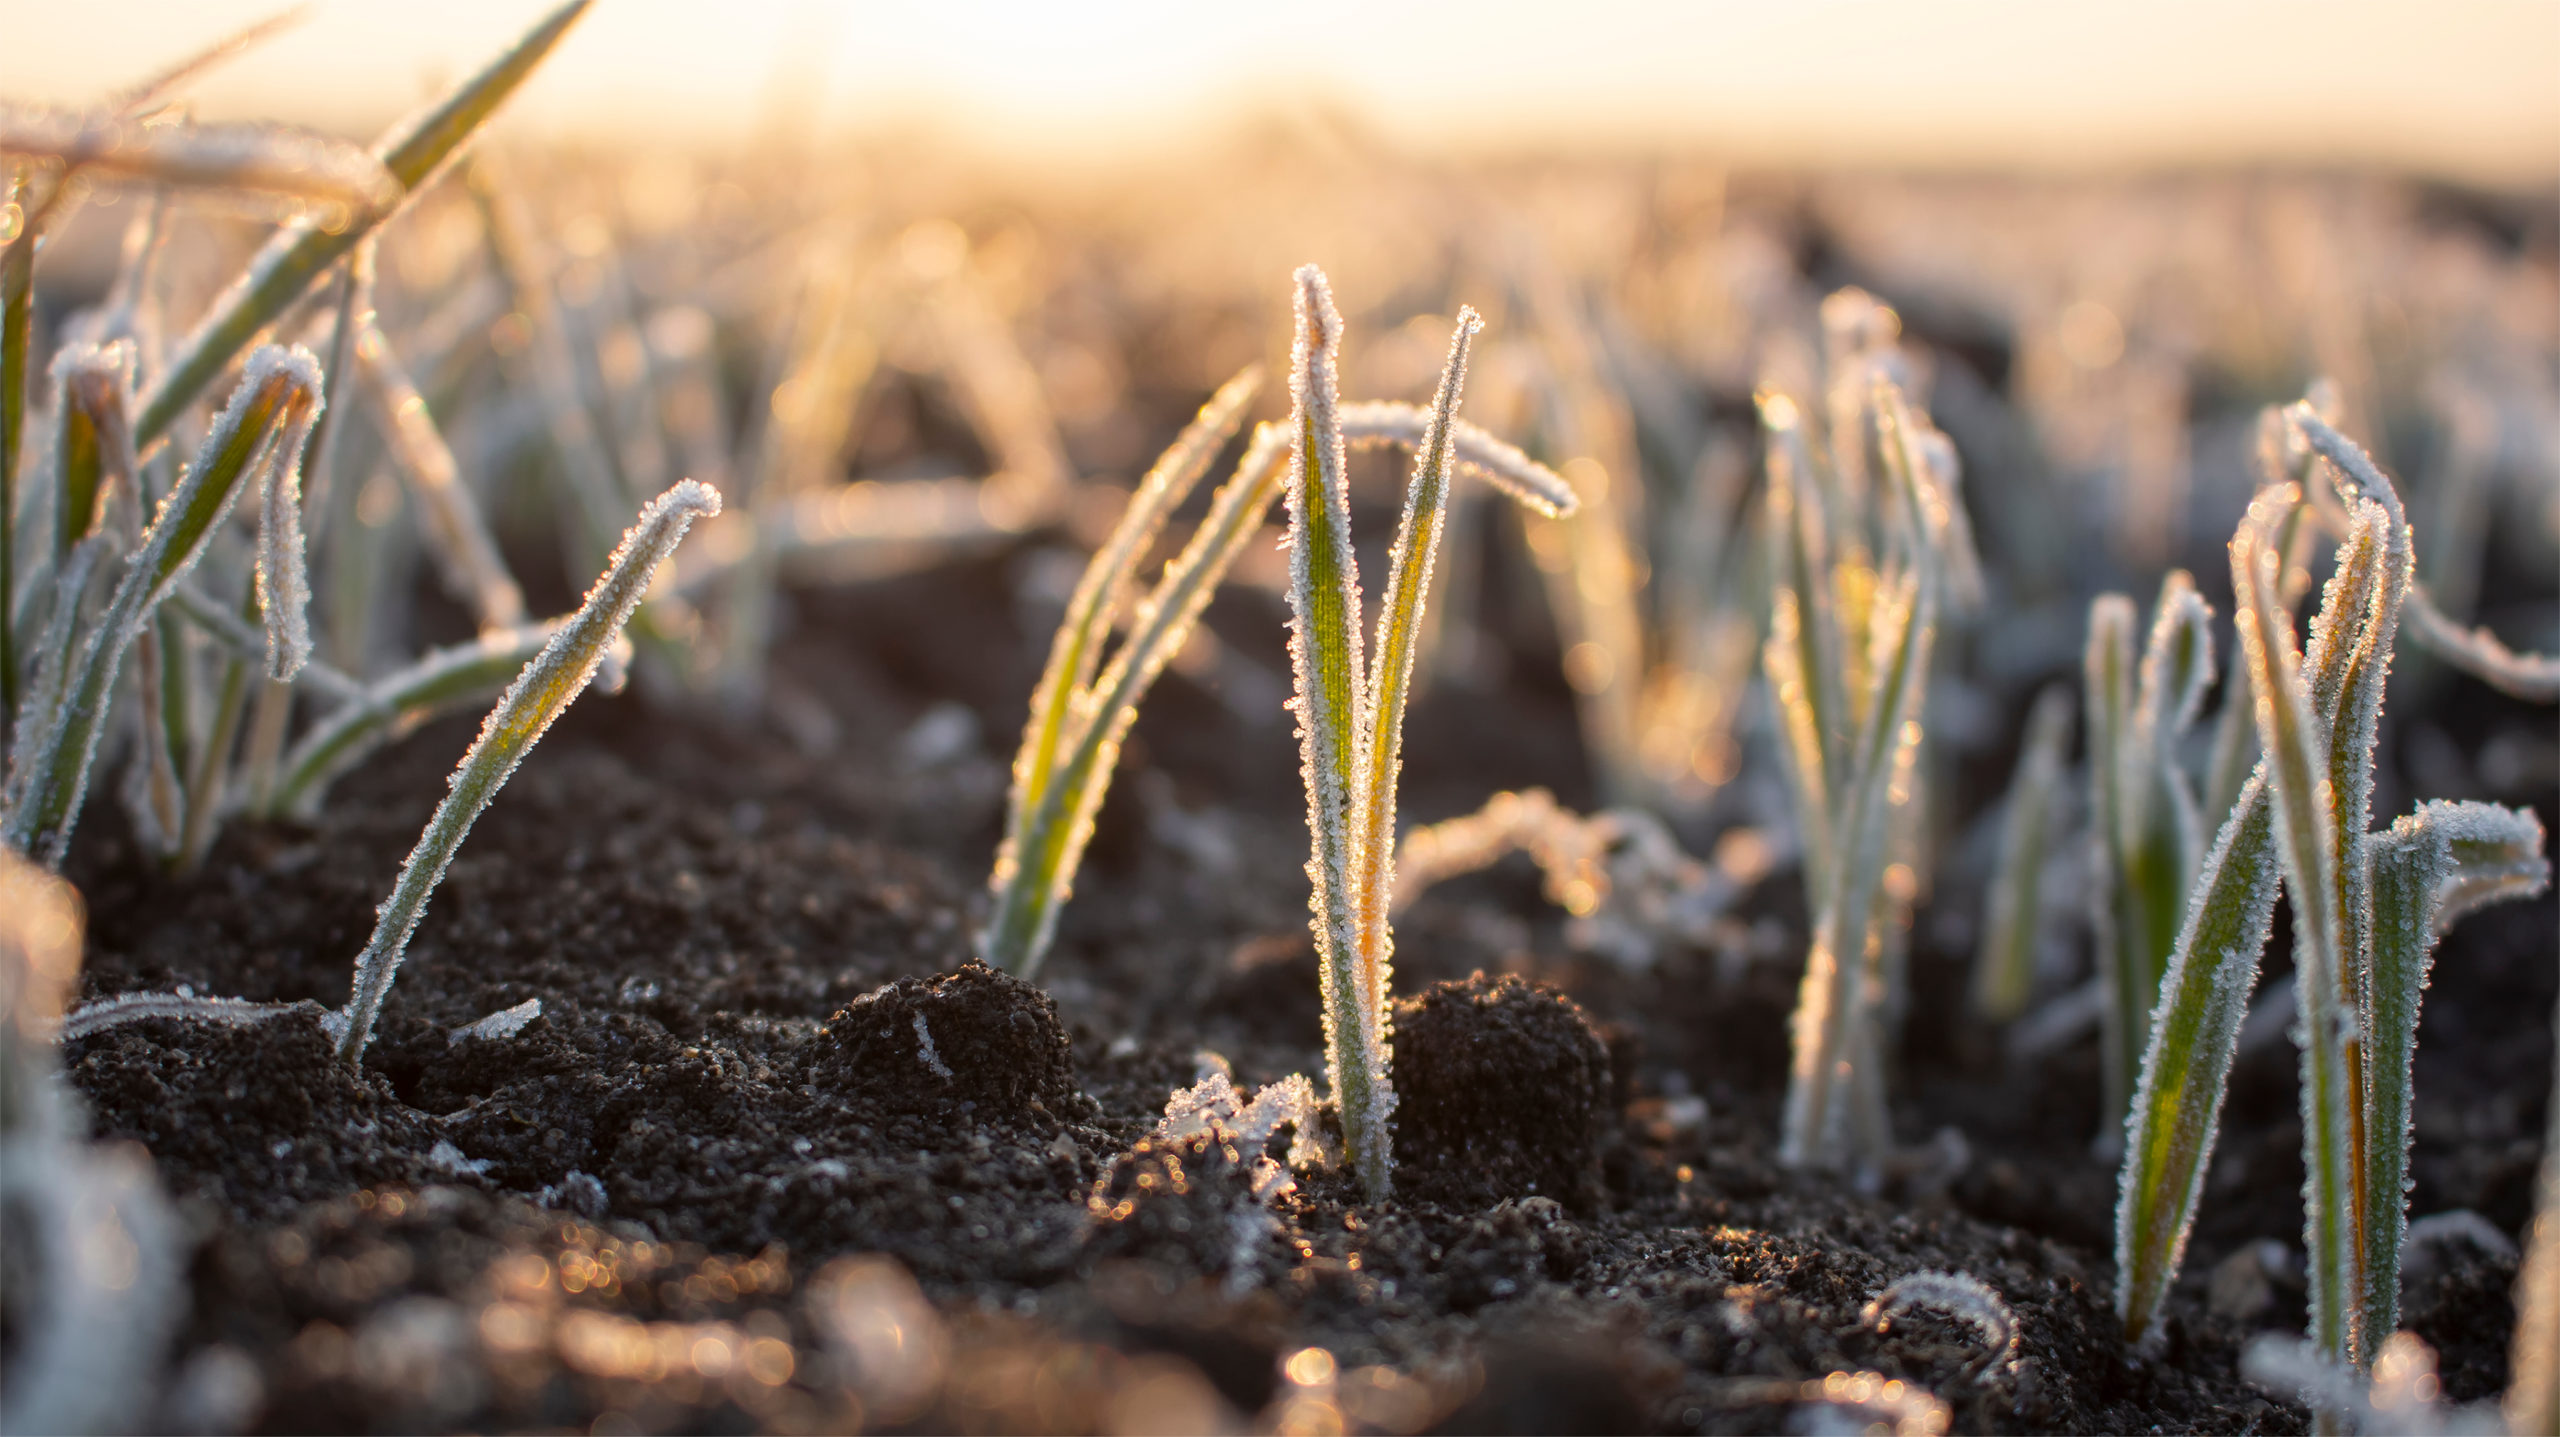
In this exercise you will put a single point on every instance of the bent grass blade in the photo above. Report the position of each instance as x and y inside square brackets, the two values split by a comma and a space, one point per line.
[546, 687]
[301, 253]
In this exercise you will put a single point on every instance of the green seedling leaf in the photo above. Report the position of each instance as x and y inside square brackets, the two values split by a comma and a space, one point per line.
[1830, 1008]
[1805, 657]
[1057, 718]
[2299, 762]
[413, 154]
[546, 687]
[93, 445]
[2428, 869]
[2170, 1131]
[1055, 832]
[2004, 966]
[1330, 703]
[261, 429]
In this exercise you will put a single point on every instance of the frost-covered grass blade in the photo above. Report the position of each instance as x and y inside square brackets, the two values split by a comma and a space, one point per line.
[2004, 965]
[1062, 706]
[260, 430]
[546, 687]
[301, 253]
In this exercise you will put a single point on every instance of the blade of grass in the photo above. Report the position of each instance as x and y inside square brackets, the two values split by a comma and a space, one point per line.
[2427, 867]
[2004, 967]
[539, 694]
[1060, 706]
[263, 426]
[1324, 653]
[2299, 765]
[398, 704]
[257, 158]
[93, 446]
[450, 520]
[299, 254]
[1059, 826]
[1389, 682]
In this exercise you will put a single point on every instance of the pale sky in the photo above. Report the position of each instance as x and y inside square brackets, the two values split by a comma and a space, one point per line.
[2466, 86]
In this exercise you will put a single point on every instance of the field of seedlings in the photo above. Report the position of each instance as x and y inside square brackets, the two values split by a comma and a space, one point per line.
[1309, 792]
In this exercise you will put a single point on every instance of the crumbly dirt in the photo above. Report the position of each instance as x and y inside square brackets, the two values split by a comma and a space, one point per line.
[775, 1156]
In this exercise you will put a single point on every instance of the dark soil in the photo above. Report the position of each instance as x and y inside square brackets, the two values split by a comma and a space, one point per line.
[774, 1156]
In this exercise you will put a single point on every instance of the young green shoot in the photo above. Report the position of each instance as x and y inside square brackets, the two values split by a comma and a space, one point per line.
[1079, 720]
[300, 253]
[2367, 910]
[2142, 807]
[2004, 965]
[1062, 707]
[1847, 660]
[260, 431]
[546, 687]
[1351, 717]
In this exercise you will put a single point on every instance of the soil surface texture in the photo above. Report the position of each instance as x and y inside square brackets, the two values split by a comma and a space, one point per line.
[775, 1155]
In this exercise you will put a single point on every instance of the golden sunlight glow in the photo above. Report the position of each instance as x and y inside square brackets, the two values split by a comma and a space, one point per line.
[2465, 86]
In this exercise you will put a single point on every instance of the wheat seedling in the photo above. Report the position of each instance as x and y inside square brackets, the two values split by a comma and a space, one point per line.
[1351, 722]
[1847, 660]
[546, 687]
[299, 254]
[2004, 965]
[259, 432]
[1079, 719]
[2368, 908]
[2146, 833]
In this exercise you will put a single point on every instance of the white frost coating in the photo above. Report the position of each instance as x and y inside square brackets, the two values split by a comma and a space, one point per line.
[505, 1023]
[1534, 486]
[1331, 704]
[290, 163]
[93, 1018]
[1211, 1108]
[2402, 1397]
[2444, 1229]
[546, 687]
[445, 1157]
[2481, 654]
[1625, 880]
[52, 774]
[284, 581]
[1958, 1294]
[931, 1055]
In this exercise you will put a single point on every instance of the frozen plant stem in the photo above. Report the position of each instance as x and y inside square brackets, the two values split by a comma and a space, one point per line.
[546, 687]
[1350, 722]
